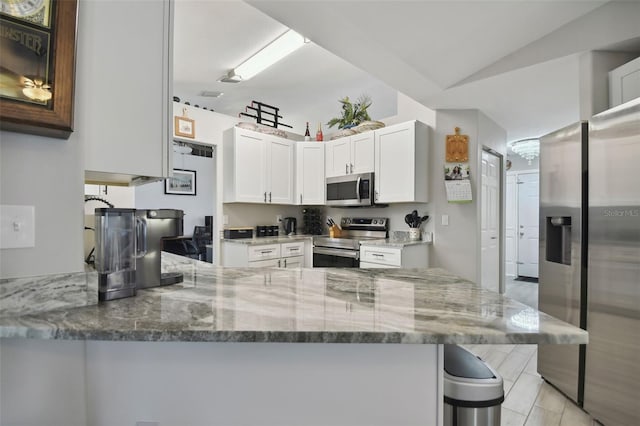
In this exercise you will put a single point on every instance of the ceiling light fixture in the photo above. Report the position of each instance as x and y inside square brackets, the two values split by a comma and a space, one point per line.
[285, 44]
[526, 148]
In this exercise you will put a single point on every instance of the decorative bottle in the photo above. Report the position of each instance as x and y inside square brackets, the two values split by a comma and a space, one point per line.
[307, 135]
[319, 133]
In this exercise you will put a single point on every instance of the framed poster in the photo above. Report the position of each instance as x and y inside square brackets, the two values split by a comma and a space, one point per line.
[37, 47]
[185, 127]
[183, 182]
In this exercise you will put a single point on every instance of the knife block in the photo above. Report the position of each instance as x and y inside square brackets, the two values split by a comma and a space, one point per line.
[335, 232]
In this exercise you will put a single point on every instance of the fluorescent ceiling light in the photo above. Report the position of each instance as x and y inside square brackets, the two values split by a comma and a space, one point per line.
[282, 46]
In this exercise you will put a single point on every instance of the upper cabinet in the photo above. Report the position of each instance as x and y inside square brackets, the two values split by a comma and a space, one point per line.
[310, 182]
[351, 154]
[123, 89]
[258, 167]
[401, 163]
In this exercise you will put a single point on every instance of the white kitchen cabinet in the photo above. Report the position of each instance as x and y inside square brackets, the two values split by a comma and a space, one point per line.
[351, 154]
[274, 255]
[624, 83]
[380, 256]
[124, 89]
[258, 167]
[401, 163]
[310, 183]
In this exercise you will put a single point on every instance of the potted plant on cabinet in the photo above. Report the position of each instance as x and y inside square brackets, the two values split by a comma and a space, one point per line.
[352, 113]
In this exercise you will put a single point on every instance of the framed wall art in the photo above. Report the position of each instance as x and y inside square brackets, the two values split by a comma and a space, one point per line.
[183, 182]
[185, 126]
[37, 47]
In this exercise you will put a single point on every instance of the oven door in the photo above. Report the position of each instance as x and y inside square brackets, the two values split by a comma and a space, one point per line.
[325, 257]
[350, 190]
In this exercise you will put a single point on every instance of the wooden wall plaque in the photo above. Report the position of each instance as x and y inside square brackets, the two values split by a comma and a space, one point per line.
[457, 148]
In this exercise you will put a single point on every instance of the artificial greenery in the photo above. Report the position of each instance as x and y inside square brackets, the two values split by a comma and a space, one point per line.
[352, 114]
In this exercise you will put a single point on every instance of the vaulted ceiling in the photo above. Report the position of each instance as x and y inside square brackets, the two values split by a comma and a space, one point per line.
[517, 61]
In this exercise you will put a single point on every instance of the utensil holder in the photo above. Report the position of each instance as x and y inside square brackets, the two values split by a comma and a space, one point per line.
[414, 234]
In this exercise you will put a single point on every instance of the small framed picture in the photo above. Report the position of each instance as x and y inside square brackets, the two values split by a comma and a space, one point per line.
[185, 127]
[183, 182]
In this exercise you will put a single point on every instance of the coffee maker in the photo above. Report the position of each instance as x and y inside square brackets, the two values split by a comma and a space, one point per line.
[116, 252]
[157, 224]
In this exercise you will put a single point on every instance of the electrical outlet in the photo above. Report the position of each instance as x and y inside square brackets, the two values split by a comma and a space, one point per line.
[445, 220]
[17, 226]
[279, 218]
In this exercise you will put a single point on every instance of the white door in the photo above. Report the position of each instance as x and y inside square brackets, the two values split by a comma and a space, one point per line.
[528, 205]
[511, 231]
[280, 171]
[310, 171]
[362, 153]
[338, 157]
[490, 222]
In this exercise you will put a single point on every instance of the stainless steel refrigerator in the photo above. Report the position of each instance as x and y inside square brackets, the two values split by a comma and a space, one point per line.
[590, 260]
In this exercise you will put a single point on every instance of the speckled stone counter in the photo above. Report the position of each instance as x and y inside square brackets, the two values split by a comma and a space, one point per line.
[217, 304]
[269, 240]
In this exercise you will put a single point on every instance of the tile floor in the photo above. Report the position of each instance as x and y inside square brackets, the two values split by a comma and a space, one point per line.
[529, 400]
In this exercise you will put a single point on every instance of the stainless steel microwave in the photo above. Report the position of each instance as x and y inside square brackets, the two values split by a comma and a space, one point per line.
[354, 190]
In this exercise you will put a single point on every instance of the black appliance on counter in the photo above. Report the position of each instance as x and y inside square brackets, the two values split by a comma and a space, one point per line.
[344, 251]
[238, 233]
[267, 231]
[290, 225]
[312, 221]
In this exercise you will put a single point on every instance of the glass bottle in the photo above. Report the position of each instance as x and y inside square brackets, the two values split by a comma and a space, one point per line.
[307, 135]
[319, 133]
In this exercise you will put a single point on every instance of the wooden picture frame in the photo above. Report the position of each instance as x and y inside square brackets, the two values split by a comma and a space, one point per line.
[55, 118]
[183, 182]
[184, 126]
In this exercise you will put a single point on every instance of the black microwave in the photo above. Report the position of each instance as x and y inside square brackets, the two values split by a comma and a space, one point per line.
[354, 190]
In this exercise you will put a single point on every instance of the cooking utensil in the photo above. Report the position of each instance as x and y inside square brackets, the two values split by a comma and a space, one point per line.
[408, 219]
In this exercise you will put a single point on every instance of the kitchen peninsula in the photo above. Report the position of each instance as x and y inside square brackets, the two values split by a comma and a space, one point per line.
[367, 344]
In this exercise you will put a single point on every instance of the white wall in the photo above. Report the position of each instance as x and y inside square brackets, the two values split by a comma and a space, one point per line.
[594, 80]
[46, 173]
[152, 196]
[456, 247]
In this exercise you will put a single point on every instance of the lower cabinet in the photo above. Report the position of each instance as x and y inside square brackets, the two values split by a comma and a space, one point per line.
[409, 256]
[275, 255]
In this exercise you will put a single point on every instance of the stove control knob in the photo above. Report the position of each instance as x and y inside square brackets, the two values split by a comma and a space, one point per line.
[375, 221]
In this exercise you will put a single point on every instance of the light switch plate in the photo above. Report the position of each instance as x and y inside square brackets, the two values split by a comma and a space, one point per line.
[445, 220]
[17, 226]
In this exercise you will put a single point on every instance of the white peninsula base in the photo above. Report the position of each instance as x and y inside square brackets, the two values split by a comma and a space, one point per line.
[105, 383]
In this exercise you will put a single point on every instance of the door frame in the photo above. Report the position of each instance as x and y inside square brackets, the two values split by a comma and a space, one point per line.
[501, 217]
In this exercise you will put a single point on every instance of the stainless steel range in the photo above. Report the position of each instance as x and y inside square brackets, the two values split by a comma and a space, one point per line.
[344, 251]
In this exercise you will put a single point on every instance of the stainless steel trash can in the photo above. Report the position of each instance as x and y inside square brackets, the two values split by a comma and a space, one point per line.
[473, 391]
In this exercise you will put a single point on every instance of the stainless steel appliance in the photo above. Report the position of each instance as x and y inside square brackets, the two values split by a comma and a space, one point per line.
[116, 252]
[612, 370]
[156, 224]
[344, 251]
[354, 190]
[289, 224]
[590, 260]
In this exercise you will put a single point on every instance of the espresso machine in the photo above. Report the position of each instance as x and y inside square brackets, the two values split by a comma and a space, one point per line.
[116, 253]
[156, 224]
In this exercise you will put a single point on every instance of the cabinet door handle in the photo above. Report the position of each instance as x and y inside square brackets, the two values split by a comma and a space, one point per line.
[351, 168]
[300, 198]
[346, 169]
[377, 255]
[269, 196]
[265, 196]
[285, 263]
[278, 263]
[266, 251]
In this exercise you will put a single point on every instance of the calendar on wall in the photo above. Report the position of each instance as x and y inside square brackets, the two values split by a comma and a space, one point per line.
[457, 182]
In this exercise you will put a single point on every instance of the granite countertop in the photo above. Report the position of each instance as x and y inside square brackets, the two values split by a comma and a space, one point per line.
[397, 239]
[268, 240]
[319, 305]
